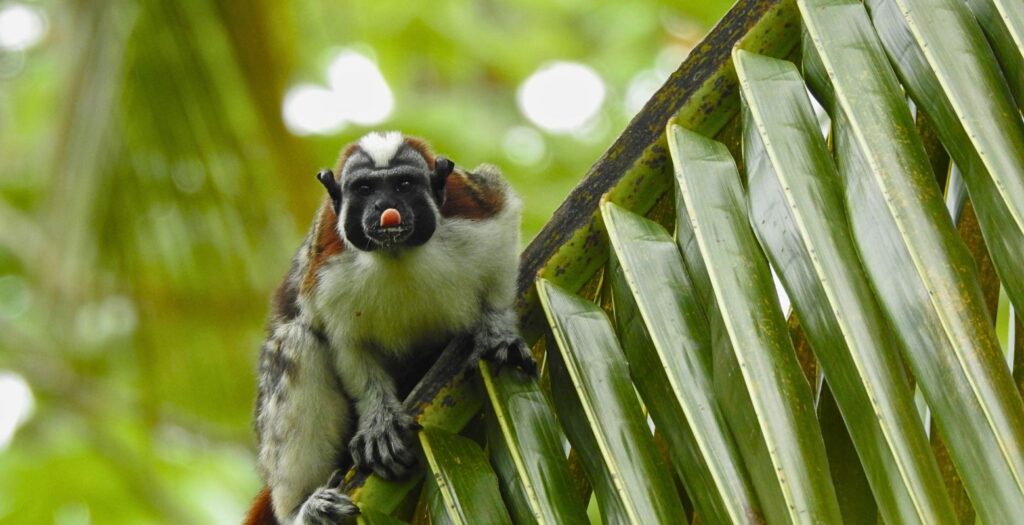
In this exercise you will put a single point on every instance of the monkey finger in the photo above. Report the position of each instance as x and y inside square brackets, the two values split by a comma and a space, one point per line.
[503, 354]
[362, 450]
[501, 358]
[357, 458]
[337, 477]
[524, 358]
[388, 472]
[403, 454]
[530, 369]
[355, 446]
[396, 440]
[350, 509]
[410, 426]
[396, 456]
[408, 460]
[391, 469]
[381, 462]
[377, 451]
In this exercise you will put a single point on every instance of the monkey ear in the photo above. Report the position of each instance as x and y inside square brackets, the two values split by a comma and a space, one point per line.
[442, 169]
[326, 177]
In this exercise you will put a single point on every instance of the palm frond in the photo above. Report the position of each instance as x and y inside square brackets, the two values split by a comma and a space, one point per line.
[873, 258]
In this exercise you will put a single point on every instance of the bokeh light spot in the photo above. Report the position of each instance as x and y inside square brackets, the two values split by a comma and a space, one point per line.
[362, 93]
[356, 92]
[99, 322]
[310, 109]
[21, 26]
[523, 145]
[641, 87]
[17, 406]
[561, 97]
[75, 513]
[14, 296]
[669, 59]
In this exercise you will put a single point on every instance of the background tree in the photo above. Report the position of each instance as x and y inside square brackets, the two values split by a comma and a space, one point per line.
[153, 188]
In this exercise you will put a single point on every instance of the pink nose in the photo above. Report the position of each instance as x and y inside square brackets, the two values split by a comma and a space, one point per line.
[390, 218]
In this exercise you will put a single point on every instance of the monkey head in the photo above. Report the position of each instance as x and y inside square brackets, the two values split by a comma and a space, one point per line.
[389, 192]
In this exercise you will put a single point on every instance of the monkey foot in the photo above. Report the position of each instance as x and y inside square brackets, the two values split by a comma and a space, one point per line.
[327, 506]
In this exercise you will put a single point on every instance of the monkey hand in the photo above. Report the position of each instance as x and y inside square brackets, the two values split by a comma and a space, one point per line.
[383, 443]
[498, 341]
[514, 352]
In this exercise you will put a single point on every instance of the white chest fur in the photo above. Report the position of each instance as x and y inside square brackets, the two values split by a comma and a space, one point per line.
[396, 303]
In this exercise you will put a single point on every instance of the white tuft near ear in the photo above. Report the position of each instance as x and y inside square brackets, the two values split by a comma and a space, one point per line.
[381, 147]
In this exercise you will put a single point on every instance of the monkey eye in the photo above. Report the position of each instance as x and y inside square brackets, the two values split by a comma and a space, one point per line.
[403, 186]
[364, 189]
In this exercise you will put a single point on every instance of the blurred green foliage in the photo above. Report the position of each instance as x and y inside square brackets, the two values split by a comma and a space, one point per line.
[151, 196]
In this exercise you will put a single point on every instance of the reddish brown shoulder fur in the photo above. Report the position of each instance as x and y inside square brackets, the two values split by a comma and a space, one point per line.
[471, 196]
[326, 243]
[261, 513]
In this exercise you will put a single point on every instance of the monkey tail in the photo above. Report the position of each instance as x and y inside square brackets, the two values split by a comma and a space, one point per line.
[261, 512]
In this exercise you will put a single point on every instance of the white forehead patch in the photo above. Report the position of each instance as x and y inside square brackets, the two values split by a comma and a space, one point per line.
[381, 147]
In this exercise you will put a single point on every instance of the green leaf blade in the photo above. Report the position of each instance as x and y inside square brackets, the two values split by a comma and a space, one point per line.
[796, 210]
[1003, 24]
[922, 275]
[465, 488]
[949, 70]
[856, 500]
[368, 516]
[601, 415]
[525, 444]
[762, 388]
[663, 332]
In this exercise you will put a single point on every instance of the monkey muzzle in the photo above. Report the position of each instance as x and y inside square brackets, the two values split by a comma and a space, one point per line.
[390, 229]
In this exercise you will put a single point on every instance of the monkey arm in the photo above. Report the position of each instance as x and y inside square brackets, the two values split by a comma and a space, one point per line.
[450, 362]
[496, 335]
[382, 442]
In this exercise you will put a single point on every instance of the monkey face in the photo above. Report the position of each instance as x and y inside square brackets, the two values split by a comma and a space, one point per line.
[389, 202]
[388, 210]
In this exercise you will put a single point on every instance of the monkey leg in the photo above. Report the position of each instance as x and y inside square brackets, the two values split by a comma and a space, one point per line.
[302, 418]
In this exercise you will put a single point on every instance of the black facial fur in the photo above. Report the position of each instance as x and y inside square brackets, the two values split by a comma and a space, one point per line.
[407, 185]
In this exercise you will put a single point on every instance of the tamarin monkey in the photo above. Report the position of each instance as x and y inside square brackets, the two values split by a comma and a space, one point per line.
[405, 253]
